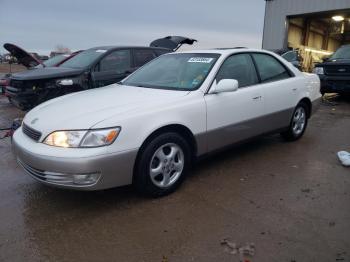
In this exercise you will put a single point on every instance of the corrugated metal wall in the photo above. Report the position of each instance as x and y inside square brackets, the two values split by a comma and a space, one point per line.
[277, 11]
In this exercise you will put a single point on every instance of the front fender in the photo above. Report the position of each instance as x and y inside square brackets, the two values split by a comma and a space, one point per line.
[138, 126]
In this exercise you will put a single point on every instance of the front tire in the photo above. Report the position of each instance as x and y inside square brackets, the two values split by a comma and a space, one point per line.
[162, 165]
[298, 123]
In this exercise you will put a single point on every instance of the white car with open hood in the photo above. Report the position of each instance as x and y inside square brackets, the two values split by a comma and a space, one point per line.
[148, 128]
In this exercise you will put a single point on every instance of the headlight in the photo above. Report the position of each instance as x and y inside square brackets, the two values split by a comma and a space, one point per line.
[100, 137]
[83, 138]
[318, 70]
[65, 138]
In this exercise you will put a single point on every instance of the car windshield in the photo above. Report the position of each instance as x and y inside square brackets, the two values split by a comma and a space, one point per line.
[53, 61]
[84, 58]
[185, 71]
[342, 53]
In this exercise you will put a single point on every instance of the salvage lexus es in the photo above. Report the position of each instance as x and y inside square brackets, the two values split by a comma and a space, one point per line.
[148, 128]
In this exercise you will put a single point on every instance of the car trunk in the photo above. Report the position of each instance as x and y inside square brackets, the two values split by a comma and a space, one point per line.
[172, 42]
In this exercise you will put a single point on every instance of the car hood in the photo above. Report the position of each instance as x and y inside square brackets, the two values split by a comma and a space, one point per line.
[22, 56]
[85, 109]
[45, 73]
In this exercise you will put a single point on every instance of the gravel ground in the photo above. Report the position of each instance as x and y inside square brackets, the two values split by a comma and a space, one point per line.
[290, 199]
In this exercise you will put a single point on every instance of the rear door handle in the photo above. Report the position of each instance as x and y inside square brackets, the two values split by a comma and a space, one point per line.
[295, 89]
[257, 98]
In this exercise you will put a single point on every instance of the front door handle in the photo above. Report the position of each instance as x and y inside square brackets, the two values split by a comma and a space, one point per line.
[257, 98]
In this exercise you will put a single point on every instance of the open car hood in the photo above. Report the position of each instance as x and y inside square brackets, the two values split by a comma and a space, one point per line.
[22, 56]
[172, 42]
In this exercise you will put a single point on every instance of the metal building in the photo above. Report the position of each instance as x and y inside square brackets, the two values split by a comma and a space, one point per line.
[320, 25]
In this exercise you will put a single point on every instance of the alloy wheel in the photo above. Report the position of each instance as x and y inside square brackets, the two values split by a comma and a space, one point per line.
[299, 121]
[167, 164]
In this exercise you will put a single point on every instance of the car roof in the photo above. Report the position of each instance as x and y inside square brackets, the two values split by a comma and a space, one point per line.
[225, 51]
[108, 48]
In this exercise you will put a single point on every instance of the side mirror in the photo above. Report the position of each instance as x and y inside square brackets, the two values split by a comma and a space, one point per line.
[224, 85]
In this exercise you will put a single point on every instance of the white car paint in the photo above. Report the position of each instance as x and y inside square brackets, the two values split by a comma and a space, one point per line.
[141, 111]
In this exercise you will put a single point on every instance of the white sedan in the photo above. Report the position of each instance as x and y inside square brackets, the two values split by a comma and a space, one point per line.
[149, 128]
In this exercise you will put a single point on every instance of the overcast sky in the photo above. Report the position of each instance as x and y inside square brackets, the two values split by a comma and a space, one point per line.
[40, 25]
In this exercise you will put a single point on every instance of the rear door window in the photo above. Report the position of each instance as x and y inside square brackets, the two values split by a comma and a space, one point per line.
[269, 68]
[118, 61]
[143, 56]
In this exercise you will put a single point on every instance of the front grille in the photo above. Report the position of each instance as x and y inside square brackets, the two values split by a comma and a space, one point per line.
[337, 70]
[17, 83]
[30, 132]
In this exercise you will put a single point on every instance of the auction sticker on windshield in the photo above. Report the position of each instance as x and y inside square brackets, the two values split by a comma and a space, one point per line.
[206, 60]
[101, 51]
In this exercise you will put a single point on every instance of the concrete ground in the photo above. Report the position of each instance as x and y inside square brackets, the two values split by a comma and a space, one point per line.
[292, 200]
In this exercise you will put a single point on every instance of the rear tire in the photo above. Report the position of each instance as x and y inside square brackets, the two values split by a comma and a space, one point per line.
[298, 123]
[162, 165]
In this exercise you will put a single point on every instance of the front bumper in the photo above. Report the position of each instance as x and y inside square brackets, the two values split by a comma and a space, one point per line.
[335, 84]
[111, 170]
[21, 99]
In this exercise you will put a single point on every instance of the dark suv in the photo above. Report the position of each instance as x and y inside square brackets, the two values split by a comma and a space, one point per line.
[334, 72]
[92, 68]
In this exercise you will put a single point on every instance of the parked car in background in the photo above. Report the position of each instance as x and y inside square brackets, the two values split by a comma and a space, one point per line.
[291, 55]
[194, 103]
[31, 62]
[55, 53]
[334, 72]
[92, 68]
[4, 81]
[44, 57]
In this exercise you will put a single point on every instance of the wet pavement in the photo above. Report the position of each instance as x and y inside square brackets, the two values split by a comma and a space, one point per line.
[290, 201]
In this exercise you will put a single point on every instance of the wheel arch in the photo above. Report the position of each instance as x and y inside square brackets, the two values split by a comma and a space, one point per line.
[180, 129]
[307, 101]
